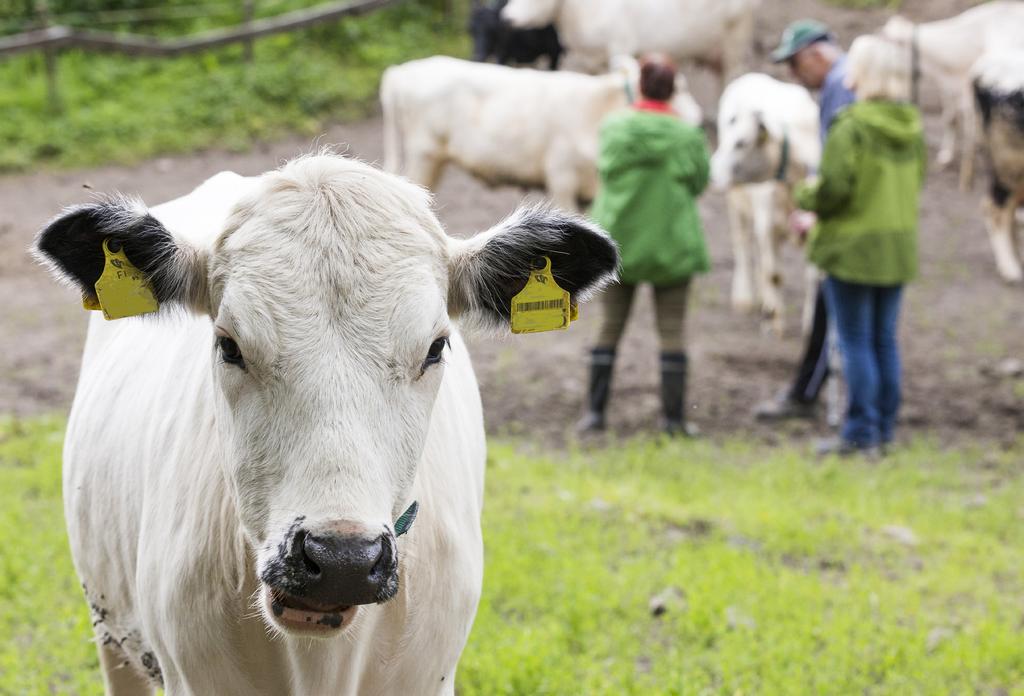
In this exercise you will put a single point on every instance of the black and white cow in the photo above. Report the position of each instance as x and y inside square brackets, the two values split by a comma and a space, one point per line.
[494, 37]
[998, 80]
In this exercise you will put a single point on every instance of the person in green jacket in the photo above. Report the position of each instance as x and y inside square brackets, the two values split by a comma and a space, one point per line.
[652, 168]
[865, 240]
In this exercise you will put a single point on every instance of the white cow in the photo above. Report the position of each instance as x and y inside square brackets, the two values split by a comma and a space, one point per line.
[998, 79]
[234, 471]
[947, 49]
[504, 125]
[767, 141]
[715, 33]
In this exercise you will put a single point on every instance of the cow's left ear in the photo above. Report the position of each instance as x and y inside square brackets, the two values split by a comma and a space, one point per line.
[71, 246]
[488, 270]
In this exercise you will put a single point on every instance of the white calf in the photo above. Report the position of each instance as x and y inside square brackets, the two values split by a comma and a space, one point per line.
[947, 49]
[768, 141]
[504, 125]
[238, 474]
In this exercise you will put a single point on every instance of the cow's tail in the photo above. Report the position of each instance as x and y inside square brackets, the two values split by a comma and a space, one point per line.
[392, 123]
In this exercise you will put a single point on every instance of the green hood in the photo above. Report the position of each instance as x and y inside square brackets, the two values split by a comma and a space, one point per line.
[896, 123]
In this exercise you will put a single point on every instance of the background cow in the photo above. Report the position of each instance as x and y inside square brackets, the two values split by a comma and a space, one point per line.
[767, 142]
[234, 472]
[947, 49]
[495, 38]
[505, 126]
[998, 80]
[715, 33]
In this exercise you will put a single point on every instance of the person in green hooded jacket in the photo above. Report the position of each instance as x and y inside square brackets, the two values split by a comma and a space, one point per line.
[652, 168]
[865, 240]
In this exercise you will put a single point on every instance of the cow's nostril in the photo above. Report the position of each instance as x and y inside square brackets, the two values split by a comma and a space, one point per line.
[383, 562]
[300, 548]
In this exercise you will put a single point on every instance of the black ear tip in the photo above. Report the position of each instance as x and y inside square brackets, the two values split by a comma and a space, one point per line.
[596, 244]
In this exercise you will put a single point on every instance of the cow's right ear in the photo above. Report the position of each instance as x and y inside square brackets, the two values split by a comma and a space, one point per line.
[488, 270]
[71, 246]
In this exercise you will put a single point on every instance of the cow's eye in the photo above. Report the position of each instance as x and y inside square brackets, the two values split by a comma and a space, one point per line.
[230, 352]
[435, 352]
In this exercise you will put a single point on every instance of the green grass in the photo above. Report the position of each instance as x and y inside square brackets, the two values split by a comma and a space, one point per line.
[790, 578]
[118, 109]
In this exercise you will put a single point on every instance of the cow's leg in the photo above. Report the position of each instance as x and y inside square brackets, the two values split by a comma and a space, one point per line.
[742, 275]
[1000, 212]
[969, 137]
[812, 278]
[950, 113]
[424, 165]
[769, 276]
[563, 184]
[119, 676]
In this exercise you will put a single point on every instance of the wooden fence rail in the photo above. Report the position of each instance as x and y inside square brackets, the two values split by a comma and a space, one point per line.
[54, 38]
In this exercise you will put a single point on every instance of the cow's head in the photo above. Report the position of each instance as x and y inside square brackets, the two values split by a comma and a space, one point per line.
[331, 294]
[531, 14]
[747, 152]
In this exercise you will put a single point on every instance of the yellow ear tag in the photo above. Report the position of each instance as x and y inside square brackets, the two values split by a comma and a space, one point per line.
[541, 305]
[122, 289]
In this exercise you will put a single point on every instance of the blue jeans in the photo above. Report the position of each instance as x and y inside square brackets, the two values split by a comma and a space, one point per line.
[865, 319]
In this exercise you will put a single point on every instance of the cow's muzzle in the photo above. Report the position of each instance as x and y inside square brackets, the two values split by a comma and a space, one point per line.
[321, 575]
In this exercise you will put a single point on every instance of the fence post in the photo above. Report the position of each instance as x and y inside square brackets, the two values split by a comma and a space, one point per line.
[250, 13]
[49, 59]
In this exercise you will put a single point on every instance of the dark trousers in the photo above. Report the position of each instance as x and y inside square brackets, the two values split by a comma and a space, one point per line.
[813, 370]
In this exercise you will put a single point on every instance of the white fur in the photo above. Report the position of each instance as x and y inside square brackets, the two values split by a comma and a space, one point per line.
[182, 473]
[947, 49]
[717, 33]
[504, 125]
[755, 114]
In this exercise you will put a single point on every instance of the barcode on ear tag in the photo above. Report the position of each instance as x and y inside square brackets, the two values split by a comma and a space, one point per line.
[542, 305]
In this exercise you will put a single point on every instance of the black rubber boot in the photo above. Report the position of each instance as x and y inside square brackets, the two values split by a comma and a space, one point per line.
[673, 394]
[602, 362]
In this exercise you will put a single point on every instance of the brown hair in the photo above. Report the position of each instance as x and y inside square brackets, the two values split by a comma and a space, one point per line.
[657, 77]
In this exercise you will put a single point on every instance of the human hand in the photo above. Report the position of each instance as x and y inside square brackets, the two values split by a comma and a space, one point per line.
[801, 222]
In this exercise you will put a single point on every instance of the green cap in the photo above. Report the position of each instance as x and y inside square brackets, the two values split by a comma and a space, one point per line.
[798, 36]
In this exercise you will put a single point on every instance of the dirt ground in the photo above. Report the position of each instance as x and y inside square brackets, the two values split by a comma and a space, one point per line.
[960, 323]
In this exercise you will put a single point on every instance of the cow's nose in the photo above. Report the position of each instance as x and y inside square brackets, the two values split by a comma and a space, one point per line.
[346, 569]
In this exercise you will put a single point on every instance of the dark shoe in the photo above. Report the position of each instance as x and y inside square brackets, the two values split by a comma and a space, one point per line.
[844, 448]
[680, 429]
[591, 422]
[782, 407]
[602, 363]
[674, 370]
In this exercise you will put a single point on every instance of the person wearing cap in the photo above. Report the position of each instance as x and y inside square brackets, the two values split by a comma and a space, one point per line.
[819, 64]
[652, 167]
[866, 199]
